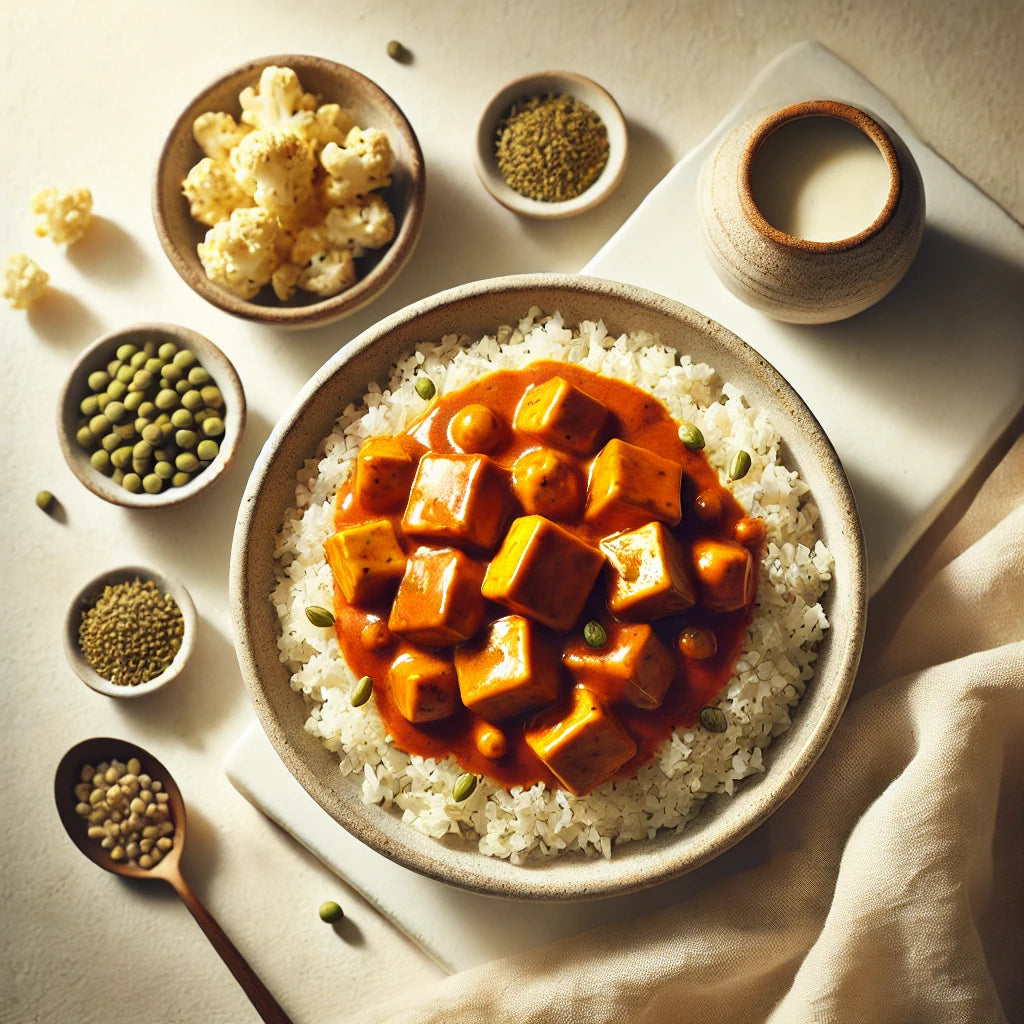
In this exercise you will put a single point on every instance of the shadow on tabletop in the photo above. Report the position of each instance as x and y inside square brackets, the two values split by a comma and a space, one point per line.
[938, 298]
[108, 253]
[60, 317]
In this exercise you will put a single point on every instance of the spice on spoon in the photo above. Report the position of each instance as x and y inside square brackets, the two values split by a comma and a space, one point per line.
[551, 148]
[132, 633]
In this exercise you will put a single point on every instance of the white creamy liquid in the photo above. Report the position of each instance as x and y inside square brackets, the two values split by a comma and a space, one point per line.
[819, 178]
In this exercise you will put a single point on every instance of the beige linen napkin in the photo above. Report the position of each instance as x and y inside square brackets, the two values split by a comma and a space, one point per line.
[892, 882]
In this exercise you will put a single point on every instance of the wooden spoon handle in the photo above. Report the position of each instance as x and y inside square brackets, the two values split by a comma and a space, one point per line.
[266, 1005]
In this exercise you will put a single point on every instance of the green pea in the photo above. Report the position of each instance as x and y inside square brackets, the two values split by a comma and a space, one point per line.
[330, 912]
[126, 350]
[207, 450]
[164, 470]
[155, 366]
[198, 376]
[103, 400]
[213, 426]
[201, 415]
[138, 360]
[133, 399]
[100, 460]
[166, 399]
[149, 347]
[99, 425]
[126, 430]
[98, 380]
[117, 476]
[152, 434]
[117, 389]
[142, 466]
[142, 380]
[163, 454]
[132, 482]
[182, 386]
[142, 450]
[147, 409]
[212, 397]
[182, 419]
[425, 388]
[172, 374]
[125, 374]
[192, 400]
[152, 484]
[113, 366]
[115, 411]
[141, 422]
[45, 500]
[186, 462]
[167, 351]
[464, 786]
[89, 406]
[121, 457]
[85, 437]
[109, 442]
[184, 358]
[185, 438]
[180, 478]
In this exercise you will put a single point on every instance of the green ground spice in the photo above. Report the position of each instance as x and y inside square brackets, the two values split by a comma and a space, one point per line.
[132, 633]
[551, 148]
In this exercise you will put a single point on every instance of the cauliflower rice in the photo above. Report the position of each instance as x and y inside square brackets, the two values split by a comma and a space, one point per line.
[769, 678]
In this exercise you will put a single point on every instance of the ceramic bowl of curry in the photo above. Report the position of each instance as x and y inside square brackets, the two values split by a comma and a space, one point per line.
[474, 310]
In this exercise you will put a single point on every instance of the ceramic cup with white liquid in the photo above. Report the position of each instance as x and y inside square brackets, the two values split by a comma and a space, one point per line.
[811, 212]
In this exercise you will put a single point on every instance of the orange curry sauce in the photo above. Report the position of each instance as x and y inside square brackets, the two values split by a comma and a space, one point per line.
[635, 417]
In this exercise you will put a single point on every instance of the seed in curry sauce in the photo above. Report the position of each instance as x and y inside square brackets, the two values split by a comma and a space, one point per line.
[697, 642]
[475, 430]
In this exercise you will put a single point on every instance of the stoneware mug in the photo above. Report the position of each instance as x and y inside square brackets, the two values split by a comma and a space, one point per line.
[794, 278]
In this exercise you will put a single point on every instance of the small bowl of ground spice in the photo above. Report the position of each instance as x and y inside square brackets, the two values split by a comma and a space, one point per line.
[130, 631]
[551, 145]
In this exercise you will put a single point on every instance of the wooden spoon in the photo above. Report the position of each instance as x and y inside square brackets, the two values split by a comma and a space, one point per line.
[168, 869]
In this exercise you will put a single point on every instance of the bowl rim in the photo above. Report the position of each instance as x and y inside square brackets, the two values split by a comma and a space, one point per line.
[87, 595]
[549, 880]
[541, 83]
[227, 379]
[334, 307]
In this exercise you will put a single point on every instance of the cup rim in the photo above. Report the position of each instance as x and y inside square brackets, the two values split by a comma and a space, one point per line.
[819, 108]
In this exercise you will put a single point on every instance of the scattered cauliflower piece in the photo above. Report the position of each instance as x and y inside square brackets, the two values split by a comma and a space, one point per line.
[218, 133]
[62, 216]
[287, 191]
[212, 191]
[279, 101]
[275, 167]
[239, 253]
[364, 163]
[24, 281]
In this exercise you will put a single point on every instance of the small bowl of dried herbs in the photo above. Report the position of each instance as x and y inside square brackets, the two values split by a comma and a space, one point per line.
[130, 631]
[551, 145]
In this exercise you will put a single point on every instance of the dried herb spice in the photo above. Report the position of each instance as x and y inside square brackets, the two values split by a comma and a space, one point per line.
[132, 633]
[551, 148]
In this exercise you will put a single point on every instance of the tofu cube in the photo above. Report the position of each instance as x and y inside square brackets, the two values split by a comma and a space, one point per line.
[423, 686]
[385, 467]
[543, 572]
[458, 499]
[580, 742]
[511, 669]
[648, 574]
[562, 416]
[726, 576]
[634, 665]
[367, 561]
[438, 602]
[630, 485]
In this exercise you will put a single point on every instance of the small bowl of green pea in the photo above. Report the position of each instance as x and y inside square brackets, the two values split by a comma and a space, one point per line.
[151, 415]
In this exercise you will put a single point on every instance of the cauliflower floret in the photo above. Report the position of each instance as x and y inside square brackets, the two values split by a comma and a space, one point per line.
[218, 133]
[64, 217]
[278, 101]
[275, 167]
[364, 163]
[212, 191]
[331, 123]
[327, 265]
[285, 280]
[363, 223]
[239, 253]
[24, 281]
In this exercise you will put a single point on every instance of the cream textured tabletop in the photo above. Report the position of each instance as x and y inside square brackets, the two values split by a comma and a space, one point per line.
[90, 91]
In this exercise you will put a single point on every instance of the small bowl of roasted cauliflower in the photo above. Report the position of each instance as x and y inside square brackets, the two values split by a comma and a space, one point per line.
[290, 191]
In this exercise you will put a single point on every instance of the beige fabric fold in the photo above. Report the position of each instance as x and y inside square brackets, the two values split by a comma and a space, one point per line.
[892, 887]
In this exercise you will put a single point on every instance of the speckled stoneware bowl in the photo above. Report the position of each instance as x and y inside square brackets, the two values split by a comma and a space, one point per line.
[91, 592]
[475, 309]
[795, 279]
[96, 357]
[551, 83]
[371, 107]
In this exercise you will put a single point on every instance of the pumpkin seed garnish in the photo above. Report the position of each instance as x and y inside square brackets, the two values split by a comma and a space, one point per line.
[464, 786]
[425, 388]
[740, 465]
[361, 694]
[691, 436]
[594, 634]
